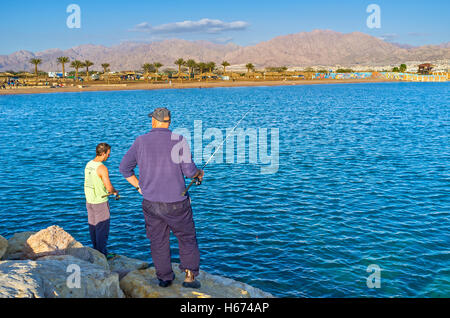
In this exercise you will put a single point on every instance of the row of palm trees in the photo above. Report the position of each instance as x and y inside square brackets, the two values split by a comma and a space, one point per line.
[150, 67]
[192, 64]
[147, 67]
[63, 60]
[76, 65]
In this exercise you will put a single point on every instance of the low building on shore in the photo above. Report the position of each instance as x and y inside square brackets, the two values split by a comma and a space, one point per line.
[425, 69]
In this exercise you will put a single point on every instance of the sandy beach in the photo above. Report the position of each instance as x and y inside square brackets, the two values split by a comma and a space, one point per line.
[93, 87]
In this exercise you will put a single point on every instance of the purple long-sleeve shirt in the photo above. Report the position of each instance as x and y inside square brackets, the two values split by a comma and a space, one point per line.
[164, 159]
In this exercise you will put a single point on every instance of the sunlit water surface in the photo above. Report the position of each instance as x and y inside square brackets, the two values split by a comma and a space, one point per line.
[363, 179]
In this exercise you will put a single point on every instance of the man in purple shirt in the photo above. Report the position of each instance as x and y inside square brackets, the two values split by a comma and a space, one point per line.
[164, 159]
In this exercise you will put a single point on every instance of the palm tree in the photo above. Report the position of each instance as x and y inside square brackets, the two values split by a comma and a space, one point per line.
[87, 64]
[211, 66]
[283, 70]
[157, 65]
[147, 67]
[105, 67]
[36, 62]
[202, 67]
[180, 62]
[249, 67]
[63, 60]
[225, 64]
[191, 64]
[76, 65]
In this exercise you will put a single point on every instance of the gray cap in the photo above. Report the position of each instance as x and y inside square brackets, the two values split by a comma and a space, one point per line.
[160, 114]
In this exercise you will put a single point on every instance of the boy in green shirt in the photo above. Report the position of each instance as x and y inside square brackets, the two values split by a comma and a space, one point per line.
[97, 187]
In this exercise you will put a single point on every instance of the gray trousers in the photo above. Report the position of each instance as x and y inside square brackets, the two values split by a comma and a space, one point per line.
[99, 220]
[160, 219]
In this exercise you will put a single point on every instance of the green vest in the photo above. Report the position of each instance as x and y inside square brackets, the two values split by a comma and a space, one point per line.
[94, 189]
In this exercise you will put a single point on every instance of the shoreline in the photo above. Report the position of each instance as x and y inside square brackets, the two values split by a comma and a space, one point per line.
[35, 265]
[149, 86]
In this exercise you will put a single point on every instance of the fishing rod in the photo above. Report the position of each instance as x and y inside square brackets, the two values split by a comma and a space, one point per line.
[196, 180]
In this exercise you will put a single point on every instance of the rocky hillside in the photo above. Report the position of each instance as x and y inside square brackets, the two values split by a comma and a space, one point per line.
[319, 47]
[125, 56]
[332, 48]
[44, 265]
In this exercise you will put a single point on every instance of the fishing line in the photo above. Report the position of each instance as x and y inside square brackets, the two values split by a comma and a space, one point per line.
[196, 180]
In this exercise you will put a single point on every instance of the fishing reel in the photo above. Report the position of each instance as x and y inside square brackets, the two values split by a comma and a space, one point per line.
[117, 197]
[196, 181]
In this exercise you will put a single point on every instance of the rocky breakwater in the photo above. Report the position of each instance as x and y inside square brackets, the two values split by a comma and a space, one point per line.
[52, 264]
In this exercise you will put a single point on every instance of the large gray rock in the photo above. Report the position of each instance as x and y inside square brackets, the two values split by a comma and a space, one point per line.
[55, 241]
[52, 276]
[16, 245]
[18, 281]
[3, 246]
[86, 254]
[50, 241]
[89, 255]
[144, 284]
[123, 265]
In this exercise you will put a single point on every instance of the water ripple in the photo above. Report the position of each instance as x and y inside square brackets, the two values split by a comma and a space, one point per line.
[363, 179]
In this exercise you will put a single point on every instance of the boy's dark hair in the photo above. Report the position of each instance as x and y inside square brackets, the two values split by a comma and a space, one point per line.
[102, 148]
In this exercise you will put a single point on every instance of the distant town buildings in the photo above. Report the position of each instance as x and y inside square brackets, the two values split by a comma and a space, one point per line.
[440, 66]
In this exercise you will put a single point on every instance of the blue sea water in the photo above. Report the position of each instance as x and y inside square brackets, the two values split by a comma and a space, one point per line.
[363, 179]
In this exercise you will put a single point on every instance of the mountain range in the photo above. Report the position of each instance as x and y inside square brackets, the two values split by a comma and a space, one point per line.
[318, 47]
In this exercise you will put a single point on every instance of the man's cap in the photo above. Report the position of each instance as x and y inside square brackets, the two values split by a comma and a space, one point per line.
[160, 114]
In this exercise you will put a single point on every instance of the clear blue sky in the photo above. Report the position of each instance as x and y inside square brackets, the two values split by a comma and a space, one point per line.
[39, 25]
